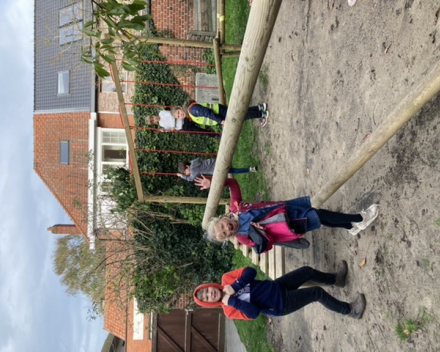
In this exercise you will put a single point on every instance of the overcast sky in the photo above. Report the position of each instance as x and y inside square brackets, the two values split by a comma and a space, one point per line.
[36, 313]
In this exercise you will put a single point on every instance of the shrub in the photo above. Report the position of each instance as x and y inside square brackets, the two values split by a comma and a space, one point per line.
[177, 260]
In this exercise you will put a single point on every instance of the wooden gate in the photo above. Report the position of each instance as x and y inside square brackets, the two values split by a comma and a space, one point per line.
[205, 20]
[201, 330]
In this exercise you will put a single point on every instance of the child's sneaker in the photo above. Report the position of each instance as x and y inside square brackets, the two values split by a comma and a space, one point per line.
[354, 230]
[262, 107]
[368, 216]
[357, 307]
[264, 118]
[253, 169]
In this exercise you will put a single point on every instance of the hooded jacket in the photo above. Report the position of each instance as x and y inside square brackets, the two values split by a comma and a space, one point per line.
[265, 296]
[300, 218]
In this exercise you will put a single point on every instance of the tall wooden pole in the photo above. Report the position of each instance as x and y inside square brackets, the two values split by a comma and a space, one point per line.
[188, 43]
[258, 31]
[402, 113]
[131, 152]
[219, 71]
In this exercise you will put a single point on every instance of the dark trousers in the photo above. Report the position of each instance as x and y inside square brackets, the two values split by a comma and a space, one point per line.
[334, 219]
[252, 113]
[295, 298]
[235, 170]
[188, 125]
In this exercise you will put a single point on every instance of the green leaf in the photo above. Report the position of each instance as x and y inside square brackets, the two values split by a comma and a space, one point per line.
[135, 8]
[101, 72]
[117, 11]
[141, 19]
[90, 33]
[109, 22]
[107, 41]
[109, 49]
[83, 59]
[89, 24]
[129, 24]
[107, 58]
[127, 66]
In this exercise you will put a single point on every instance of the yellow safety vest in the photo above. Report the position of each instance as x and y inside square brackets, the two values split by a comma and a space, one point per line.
[202, 120]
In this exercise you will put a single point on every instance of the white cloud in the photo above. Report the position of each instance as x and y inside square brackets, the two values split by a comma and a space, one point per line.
[37, 314]
[17, 17]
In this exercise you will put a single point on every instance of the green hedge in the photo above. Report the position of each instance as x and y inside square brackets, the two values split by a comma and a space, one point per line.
[173, 258]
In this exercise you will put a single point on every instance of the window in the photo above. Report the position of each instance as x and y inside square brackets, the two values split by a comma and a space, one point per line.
[63, 82]
[64, 152]
[71, 33]
[113, 152]
[70, 23]
[69, 14]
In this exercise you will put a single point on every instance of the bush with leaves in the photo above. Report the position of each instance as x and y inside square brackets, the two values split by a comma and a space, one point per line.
[118, 38]
[177, 260]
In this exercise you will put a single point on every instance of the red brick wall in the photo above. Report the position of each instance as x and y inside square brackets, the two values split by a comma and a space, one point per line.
[68, 183]
[177, 17]
[107, 120]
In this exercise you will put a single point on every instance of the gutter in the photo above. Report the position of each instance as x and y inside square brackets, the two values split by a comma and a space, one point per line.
[91, 221]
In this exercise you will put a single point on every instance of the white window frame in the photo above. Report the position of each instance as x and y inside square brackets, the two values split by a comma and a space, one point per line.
[60, 86]
[70, 23]
[70, 13]
[100, 163]
[61, 143]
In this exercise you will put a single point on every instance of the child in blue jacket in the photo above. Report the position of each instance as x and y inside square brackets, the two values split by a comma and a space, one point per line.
[243, 297]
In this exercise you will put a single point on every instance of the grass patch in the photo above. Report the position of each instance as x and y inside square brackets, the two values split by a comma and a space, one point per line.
[263, 78]
[406, 328]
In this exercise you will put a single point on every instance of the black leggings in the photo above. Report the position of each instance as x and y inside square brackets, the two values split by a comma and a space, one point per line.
[334, 219]
[295, 298]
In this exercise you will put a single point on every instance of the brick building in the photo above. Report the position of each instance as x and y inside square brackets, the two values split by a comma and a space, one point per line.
[78, 133]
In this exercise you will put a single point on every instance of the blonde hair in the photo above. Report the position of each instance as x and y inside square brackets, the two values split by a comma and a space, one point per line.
[175, 108]
[211, 231]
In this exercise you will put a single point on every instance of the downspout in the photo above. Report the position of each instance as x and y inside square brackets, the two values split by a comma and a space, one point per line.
[92, 181]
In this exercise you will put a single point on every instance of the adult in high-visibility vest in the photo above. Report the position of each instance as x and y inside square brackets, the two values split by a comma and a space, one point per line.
[215, 114]
[169, 123]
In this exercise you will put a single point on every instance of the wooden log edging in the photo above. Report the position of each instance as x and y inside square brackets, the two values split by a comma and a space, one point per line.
[402, 113]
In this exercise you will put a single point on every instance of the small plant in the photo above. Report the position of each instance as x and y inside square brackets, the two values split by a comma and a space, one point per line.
[426, 263]
[437, 222]
[406, 328]
[263, 78]
[208, 56]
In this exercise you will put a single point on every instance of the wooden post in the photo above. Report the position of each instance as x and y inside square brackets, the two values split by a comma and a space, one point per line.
[221, 20]
[229, 54]
[218, 68]
[258, 31]
[131, 152]
[189, 43]
[401, 114]
[181, 200]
